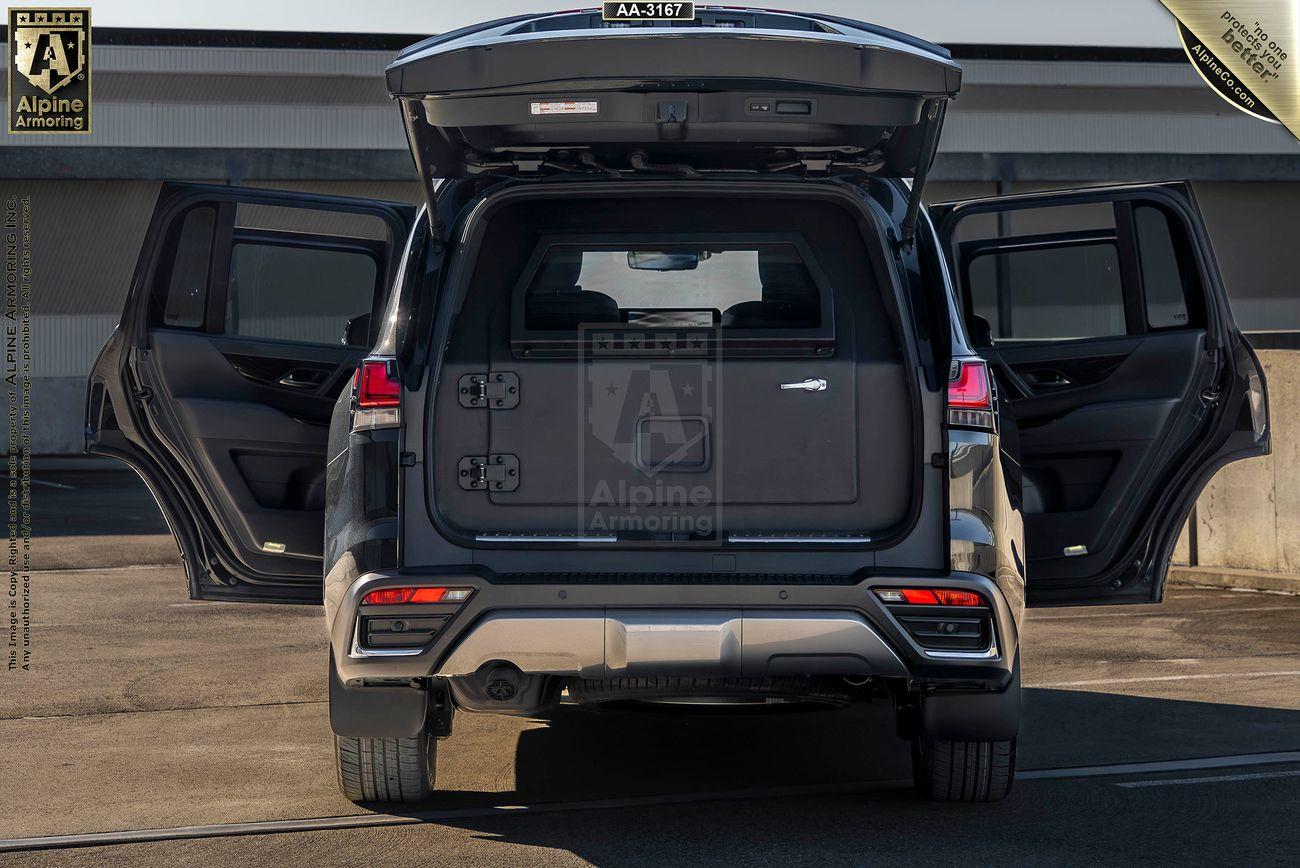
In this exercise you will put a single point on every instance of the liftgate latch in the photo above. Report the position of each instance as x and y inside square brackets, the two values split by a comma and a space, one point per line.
[489, 472]
[499, 391]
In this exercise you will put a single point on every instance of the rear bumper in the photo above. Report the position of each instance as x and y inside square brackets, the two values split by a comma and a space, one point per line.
[615, 630]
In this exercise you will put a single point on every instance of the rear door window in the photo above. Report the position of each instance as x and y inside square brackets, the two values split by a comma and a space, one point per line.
[1050, 293]
[1075, 272]
[286, 292]
[273, 273]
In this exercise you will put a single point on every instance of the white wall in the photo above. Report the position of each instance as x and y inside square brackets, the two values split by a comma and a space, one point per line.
[1117, 23]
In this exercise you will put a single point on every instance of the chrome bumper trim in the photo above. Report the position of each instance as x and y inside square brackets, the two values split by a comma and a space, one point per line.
[799, 540]
[668, 642]
[526, 538]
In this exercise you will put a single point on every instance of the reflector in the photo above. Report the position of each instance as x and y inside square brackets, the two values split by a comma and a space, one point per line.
[394, 596]
[958, 598]
[930, 597]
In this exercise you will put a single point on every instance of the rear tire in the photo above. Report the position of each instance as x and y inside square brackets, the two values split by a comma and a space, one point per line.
[963, 771]
[386, 769]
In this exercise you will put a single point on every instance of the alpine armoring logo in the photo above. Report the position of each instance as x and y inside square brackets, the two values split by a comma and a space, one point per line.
[49, 71]
[647, 468]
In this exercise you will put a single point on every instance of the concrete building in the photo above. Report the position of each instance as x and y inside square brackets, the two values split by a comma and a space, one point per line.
[290, 95]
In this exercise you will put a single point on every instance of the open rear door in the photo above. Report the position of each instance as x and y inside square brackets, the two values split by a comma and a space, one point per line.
[1104, 318]
[247, 315]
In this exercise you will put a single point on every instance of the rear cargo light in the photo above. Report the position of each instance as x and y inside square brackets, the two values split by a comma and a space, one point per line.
[376, 395]
[970, 395]
[930, 597]
[399, 596]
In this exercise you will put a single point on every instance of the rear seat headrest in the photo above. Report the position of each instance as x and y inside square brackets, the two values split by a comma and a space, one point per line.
[559, 272]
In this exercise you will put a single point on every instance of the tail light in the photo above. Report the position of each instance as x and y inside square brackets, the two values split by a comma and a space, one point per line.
[376, 395]
[405, 631]
[930, 597]
[945, 622]
[398, 596]
[970, 395]
[377, 384]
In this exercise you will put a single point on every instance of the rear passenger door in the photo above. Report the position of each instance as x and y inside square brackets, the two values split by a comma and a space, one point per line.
[248, 314]
[1119, 367]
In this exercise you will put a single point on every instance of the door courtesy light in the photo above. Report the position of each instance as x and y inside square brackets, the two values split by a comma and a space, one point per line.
[930, 597]
[398, 596]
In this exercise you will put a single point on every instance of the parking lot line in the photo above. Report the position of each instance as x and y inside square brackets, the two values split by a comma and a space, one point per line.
[1197, 676]
[1034, 617]
[315, 824]
[1206, 762]
[1214, 779]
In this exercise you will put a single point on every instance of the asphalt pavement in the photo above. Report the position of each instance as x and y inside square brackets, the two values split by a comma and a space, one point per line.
[196, 733]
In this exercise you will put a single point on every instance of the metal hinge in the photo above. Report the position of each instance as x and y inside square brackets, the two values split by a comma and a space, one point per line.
[489, 472]
[499, 391]
[406, 459]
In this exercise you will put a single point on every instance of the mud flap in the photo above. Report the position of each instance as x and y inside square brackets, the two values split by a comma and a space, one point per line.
[376, 712]
[974, 716]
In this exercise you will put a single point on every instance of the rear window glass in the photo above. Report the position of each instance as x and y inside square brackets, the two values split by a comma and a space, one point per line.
[753, 286]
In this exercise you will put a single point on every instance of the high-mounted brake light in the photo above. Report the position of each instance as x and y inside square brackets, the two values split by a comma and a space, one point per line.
[398, 596]
[930, 597]
[377, 385]
[970, 395]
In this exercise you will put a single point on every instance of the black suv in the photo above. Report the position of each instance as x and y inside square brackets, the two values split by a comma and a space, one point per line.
[674, 392]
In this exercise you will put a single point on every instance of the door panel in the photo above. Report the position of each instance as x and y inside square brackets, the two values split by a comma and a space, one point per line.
[1085, 446]
[1118, 366]
[220, 383]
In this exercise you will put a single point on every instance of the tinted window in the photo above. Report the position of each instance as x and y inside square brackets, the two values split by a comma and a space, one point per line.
[187, 291]
[1049, 293]
[733, 286]
[1063, 272]
[1162, 279]
[297, 293]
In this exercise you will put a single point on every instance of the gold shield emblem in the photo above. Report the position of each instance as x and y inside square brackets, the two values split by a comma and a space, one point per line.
[50, 49]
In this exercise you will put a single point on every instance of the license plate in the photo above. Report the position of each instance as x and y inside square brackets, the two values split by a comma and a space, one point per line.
[626, 12]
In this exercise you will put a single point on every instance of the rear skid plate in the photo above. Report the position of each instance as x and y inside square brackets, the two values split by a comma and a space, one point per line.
[670, 642]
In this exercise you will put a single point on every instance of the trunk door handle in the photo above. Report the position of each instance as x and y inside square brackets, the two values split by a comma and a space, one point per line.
[812, 384]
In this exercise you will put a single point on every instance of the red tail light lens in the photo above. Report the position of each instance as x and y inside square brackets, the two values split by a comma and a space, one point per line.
[957, 598]
[398, 596]
[377, 385]
[970, 391]
[930, 597]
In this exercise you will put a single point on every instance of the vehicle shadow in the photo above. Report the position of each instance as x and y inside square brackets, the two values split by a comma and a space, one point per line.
[584, 756]
[91, 497]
